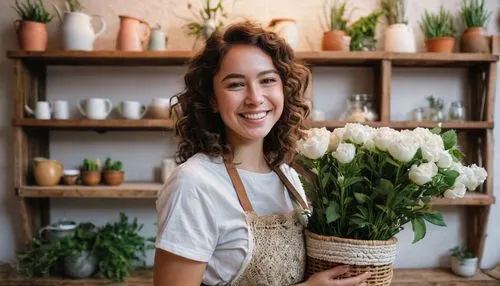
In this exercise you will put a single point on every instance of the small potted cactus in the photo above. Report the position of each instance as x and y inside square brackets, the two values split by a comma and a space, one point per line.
[91, 172]
[113, 172]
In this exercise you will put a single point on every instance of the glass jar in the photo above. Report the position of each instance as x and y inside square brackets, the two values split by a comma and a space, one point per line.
[457, 111]
[418, 114]
[359, 109]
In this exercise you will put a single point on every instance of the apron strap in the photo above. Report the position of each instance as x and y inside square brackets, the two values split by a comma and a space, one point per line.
[291, 189]
[242, 194]
[238, 186]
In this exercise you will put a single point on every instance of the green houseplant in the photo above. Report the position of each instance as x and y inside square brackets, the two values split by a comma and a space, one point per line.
[91, 172]
[77, 251]
[436, 108]
[362, 32]
[475, 17]
[334, 37]
[113, 173]
[398, 35]
[439, 30]
[31, 28]
[463, 261]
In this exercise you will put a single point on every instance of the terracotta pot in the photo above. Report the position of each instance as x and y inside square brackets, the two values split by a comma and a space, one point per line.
[31, 36]
[91, 178]
[475, 40]
[47, 172]
[440, 45]
[113, 178]
[335, 40]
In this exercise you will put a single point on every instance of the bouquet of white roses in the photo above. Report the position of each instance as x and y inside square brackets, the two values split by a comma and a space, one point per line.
[368, 182]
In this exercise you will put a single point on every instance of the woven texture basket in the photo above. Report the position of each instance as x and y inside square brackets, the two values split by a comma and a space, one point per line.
[374, 256]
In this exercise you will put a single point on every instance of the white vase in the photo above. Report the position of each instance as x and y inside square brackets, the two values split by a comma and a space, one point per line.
[464, 267]
[399, 38]
[78, 33]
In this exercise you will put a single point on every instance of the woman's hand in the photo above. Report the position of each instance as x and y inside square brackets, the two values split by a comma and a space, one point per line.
[326, 278]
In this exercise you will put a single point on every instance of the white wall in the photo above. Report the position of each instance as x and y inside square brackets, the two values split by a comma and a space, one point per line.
[141, 152]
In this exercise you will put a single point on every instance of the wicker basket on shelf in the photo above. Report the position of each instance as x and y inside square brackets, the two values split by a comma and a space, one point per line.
[374, 256]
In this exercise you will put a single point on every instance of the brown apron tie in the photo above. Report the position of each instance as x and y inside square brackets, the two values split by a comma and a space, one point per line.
[242, 195]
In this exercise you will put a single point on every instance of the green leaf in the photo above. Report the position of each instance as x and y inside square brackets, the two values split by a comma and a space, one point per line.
[361, 198]
[332, 212]
[385, 187]
[418, 226]
[449, 139]
[459, 155]
[450, 177]
[436, 130]
[325, 201]
[324, 180]
[435, 219]
[351, 181]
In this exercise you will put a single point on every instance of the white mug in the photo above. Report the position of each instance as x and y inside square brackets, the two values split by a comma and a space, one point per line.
[95, 108]
[61, 109]
[132, 109]
[161, 102]
[43, 110]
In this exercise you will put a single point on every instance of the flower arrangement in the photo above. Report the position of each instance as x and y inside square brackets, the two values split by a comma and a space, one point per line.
[366, 183]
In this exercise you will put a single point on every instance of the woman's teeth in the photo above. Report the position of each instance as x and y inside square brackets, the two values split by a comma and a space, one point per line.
[254, 116]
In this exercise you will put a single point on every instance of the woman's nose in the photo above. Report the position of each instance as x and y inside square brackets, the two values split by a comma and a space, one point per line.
[254, 96]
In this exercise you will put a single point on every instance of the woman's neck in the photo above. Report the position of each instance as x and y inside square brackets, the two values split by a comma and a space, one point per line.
[250, 156]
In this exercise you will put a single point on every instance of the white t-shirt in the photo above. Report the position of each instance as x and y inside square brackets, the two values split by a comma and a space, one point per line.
[200, 217]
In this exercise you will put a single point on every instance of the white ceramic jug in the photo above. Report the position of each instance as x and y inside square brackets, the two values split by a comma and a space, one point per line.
[157, 39]
[77, 30]
[287, 29]
[399, 38]
[43, 110]
[95, 108]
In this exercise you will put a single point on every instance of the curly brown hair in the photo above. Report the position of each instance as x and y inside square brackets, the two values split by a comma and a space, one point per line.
[200, 129]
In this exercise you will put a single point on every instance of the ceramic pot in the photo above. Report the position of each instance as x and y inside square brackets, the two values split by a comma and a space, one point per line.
[335, 40]
[80, 265]
[130, 37]
[77, 30]
[91, 178]
[399, 38]
[464, 267]
[475, 40]
[70, 177]
[31, 36]
[47, 172]
[57, 231]
[440, 45]
[113, 178]
[286, 29]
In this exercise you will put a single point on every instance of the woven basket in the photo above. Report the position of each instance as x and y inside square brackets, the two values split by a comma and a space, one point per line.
[374, 256]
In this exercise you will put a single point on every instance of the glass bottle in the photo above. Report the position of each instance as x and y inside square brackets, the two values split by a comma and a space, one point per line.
[355, 106]
[457, 110]
[418, 114]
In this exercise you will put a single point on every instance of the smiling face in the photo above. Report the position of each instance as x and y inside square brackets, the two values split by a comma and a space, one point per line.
[248, 94]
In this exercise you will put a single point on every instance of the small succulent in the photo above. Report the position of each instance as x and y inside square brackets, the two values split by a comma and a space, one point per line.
[435, 102]
[438, 25]
[394, 11]
[111, 165]
[474, 13]
[91, 165]
[335, 15]
[33, 11]
[461, 252]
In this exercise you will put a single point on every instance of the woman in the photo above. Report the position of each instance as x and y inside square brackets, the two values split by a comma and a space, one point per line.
[227, 214]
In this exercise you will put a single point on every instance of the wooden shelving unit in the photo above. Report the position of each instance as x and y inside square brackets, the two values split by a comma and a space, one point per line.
[31, 138]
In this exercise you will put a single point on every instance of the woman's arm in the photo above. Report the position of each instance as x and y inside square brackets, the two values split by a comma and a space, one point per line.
[174, 270]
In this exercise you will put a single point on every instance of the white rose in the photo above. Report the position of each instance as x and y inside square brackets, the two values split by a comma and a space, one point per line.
[445, 160]
[458, 191]
[339, 132]
[316, 143]
[422, 174]
[480, 173]
[403, 147]
[334, 142]
[345, 152]
[383, 137]
[431, 144]
[468, 178]
[369, 144]
[358, 133]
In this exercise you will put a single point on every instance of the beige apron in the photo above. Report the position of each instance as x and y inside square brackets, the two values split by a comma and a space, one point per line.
[279, 255]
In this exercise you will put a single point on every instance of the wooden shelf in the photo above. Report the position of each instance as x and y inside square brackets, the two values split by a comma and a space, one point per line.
[318, 58]
[458, 125]
[140, 190]
[402, 277]
[87, 124]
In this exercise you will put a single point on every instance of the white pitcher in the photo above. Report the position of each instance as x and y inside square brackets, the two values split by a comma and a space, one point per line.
[287, 29]
[43, 110]
[95, 108]
[399, 38]
[77, 30]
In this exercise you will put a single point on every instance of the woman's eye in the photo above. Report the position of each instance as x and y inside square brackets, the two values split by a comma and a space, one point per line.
[268, 80]
[234, 85]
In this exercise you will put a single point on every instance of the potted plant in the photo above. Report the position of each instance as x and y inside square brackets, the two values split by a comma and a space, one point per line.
[79, 257]
[463, 261]
[77, 30]
[91, 172]
[39, 260]
[365, 184]
[439, 30]
[31, 28]
[113, 172]
[335, 38]
[436, 108]
[398, 36]
[475, 17]
[362, 32]
[206, 21]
